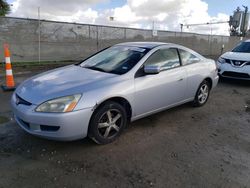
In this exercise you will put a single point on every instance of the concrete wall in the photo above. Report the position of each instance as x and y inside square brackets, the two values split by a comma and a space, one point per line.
[70, 41]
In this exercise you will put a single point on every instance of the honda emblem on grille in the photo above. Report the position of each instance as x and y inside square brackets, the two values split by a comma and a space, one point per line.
[237, 63]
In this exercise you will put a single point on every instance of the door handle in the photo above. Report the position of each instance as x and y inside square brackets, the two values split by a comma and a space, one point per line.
[180, 79]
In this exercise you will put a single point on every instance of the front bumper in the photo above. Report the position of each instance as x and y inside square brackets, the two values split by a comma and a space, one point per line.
[215, 81]
[55, 126]
[228, 71]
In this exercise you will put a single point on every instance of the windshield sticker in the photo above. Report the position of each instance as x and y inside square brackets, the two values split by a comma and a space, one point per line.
[137, 49]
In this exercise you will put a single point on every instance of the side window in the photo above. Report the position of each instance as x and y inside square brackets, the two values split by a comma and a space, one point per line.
[165, 58]
[188, 58]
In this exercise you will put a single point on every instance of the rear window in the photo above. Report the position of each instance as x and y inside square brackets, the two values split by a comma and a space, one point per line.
[188, 58]
[243, 47]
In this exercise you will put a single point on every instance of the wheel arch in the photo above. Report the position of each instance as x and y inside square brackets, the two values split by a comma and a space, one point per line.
[118, 99]
[210, 81]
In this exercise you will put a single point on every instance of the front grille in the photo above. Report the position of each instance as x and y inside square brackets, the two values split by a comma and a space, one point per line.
[20, 100]
[237, 63]
[235, 74]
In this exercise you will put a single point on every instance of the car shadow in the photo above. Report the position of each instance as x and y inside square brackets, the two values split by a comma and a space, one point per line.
[151, 120]
[17, 141]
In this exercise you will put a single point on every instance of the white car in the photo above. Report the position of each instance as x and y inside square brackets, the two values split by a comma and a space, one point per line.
[236, 64]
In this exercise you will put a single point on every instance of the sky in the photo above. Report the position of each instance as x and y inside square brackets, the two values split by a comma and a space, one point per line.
[166, 14]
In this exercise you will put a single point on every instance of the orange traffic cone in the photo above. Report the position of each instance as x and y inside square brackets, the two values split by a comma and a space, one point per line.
[10, 84]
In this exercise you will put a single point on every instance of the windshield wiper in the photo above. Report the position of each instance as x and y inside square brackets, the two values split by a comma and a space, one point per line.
[95, 68]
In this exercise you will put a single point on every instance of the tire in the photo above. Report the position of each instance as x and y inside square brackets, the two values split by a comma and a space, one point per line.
[107, 123]
[202, 94]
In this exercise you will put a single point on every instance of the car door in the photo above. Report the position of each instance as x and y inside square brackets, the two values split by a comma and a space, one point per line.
[157, 91]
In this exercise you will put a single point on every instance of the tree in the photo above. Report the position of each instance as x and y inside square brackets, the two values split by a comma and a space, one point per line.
[4, 8]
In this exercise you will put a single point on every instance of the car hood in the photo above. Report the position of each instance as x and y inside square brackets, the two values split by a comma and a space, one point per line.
[61, 82]
[236, 56]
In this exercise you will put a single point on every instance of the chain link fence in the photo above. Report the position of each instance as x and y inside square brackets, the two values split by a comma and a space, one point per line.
[62, 41]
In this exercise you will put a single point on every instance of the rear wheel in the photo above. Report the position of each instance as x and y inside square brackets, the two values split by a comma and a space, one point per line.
[202, 94]
[107, 123]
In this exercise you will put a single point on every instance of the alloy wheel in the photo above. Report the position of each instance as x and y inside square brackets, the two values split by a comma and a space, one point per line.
[109, 124]
[203, 93]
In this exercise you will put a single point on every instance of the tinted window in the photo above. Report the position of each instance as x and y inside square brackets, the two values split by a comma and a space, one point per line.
[243, 47]
[116, 59]
[187, 57]
[165, 58]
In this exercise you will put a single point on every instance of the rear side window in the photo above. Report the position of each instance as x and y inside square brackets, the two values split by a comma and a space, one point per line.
[165, 58]
[188, 58]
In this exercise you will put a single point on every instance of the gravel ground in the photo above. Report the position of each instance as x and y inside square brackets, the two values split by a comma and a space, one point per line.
[180, 147]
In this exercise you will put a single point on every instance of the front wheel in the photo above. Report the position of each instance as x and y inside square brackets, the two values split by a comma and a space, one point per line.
[202, 94]
[107, 123]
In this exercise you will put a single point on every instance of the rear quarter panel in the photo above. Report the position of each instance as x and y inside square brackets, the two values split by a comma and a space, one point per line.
[196, 73]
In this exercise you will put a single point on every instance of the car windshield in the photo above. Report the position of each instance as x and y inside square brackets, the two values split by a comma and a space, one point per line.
[243, 47]
[116, 59]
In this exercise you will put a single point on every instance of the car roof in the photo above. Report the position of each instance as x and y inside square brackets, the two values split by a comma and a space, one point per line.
[148, 45]
[248, 40]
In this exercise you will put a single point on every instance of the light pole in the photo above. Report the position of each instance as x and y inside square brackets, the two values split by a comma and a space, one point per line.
[154, 31]
[39, 36]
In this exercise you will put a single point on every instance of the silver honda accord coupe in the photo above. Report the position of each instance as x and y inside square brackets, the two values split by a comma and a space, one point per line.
[99, 96]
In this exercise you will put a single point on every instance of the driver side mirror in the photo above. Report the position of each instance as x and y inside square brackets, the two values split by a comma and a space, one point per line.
[152, 69]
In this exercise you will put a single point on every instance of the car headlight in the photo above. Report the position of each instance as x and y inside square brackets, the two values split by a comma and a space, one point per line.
[63, 104]
[221, 60]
